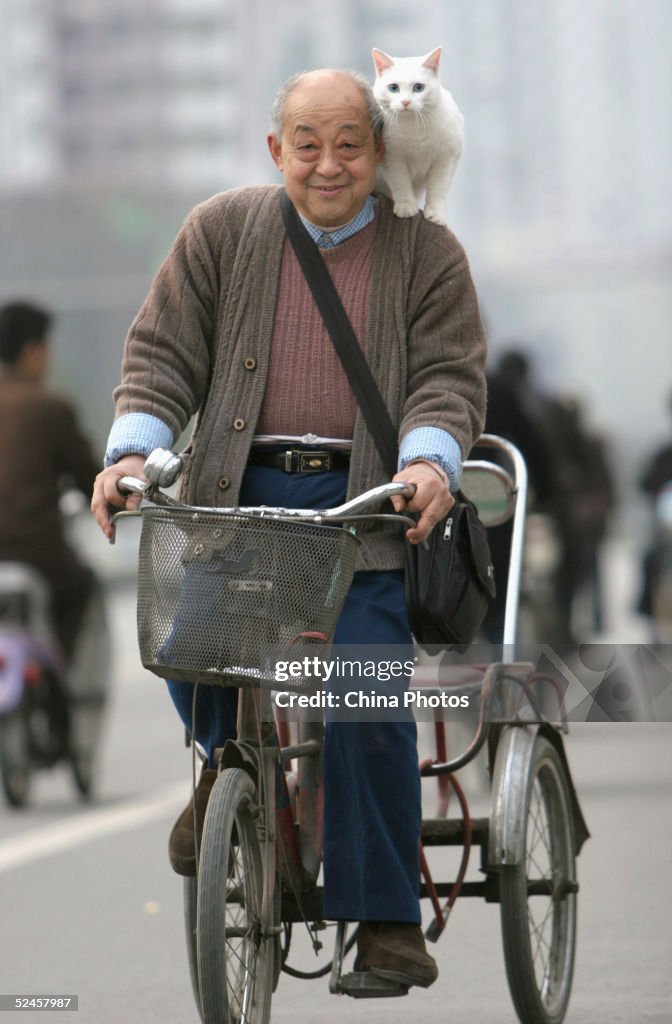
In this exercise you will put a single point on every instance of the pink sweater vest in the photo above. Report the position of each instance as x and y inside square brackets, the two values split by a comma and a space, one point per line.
[307, 390]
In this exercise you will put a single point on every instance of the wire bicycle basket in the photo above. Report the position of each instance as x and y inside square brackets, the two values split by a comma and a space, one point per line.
[222, 596]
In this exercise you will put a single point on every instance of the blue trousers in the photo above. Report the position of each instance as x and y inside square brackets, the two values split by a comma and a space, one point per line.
[372, 812]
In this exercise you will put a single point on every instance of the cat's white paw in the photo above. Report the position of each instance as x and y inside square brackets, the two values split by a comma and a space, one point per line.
[406, 209]
[436, 215]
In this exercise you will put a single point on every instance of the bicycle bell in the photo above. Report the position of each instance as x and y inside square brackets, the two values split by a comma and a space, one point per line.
[163, 467]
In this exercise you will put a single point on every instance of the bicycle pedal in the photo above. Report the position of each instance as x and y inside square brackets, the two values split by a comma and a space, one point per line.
[367, 985]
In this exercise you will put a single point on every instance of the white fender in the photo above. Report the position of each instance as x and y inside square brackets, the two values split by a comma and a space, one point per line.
[509, 785]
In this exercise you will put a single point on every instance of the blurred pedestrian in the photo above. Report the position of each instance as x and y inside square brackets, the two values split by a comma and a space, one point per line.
[512, 415]
[655, 482]
[570, 485]
[658, 468]
[43, 452]
[593, 501]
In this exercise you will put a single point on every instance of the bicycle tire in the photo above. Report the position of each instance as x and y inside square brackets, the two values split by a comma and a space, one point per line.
[235, 960]
[190, 901]
[15, 760]
[83, 773]
[539, 952]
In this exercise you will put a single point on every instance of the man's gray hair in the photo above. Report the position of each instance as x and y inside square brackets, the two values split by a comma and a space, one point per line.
[287, 88]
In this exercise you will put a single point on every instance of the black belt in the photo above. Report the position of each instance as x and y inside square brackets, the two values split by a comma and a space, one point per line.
[298, 460]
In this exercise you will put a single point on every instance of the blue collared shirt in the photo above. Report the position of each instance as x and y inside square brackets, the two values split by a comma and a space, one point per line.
[330, 239]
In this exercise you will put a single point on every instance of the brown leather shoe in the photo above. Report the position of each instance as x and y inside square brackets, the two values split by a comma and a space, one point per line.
[395, 950]
[181, 847]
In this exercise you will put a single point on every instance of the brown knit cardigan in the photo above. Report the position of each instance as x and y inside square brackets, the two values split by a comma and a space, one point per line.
[200, 343]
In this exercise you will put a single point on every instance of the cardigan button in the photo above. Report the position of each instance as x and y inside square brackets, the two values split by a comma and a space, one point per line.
[239, 424]
[223, 483]
[250, 363]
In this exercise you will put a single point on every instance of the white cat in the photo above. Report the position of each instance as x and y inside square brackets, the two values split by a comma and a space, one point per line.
[423, 132]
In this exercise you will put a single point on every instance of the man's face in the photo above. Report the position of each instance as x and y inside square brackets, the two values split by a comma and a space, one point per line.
[327, 152]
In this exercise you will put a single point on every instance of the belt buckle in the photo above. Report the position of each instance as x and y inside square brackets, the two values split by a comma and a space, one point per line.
[314, 462]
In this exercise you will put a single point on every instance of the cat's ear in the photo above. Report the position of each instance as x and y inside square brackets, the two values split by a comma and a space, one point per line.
[432, 59]
[381, 60]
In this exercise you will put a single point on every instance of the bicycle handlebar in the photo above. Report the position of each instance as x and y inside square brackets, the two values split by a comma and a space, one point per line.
[350, 509]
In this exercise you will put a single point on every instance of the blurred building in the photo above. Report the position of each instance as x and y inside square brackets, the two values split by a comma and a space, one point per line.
[125, 91]
[564, 102]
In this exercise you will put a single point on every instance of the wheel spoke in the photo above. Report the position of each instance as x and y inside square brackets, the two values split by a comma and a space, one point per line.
[535, 849]
[538, 928]
[242, 955]
[535, 811]
[544, 876]
[541, 832]
[542, 948]
[241, 993]
[237, 976]
[537, 931]
[236, 989]
[240, 879]
[542, 873]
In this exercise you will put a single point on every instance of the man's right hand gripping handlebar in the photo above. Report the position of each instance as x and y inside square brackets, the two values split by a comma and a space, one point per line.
[107, 498]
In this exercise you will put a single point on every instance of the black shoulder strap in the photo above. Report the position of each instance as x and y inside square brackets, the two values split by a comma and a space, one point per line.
[341, 332]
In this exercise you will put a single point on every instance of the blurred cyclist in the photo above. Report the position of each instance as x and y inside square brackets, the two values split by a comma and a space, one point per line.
[43, 451]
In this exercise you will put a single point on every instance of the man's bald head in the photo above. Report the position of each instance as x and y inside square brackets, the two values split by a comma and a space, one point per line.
[343, 81]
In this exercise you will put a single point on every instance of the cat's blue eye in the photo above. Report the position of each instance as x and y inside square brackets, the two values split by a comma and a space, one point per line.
[418, 87]
[393, 87]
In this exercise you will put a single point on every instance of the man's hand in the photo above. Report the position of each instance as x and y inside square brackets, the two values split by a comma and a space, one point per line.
[432, 498]
[106, 493]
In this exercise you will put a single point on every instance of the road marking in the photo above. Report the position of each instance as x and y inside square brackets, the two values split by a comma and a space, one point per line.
[38, 843]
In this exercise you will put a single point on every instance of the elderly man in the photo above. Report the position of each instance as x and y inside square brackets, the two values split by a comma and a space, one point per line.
[230, 331]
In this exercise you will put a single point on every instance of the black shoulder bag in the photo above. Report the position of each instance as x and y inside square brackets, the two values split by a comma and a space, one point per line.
[448, 578]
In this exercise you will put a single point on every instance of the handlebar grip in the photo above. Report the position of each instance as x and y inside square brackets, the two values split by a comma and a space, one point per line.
[131, 485]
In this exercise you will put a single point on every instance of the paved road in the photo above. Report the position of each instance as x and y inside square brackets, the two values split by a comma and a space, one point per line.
[88, 904]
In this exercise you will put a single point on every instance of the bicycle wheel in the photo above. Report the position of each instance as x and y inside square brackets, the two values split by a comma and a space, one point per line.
[190, 904]
[15, 761]
[538, 895]
[83, 773]
[235, 958]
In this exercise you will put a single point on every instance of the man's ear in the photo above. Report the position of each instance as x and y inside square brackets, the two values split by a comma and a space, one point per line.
[275, 149]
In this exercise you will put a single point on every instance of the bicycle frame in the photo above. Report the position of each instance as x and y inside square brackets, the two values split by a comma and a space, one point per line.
[292, 855]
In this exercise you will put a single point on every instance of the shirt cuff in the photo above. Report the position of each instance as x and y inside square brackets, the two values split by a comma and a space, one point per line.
[136, 433]
[435, 445]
